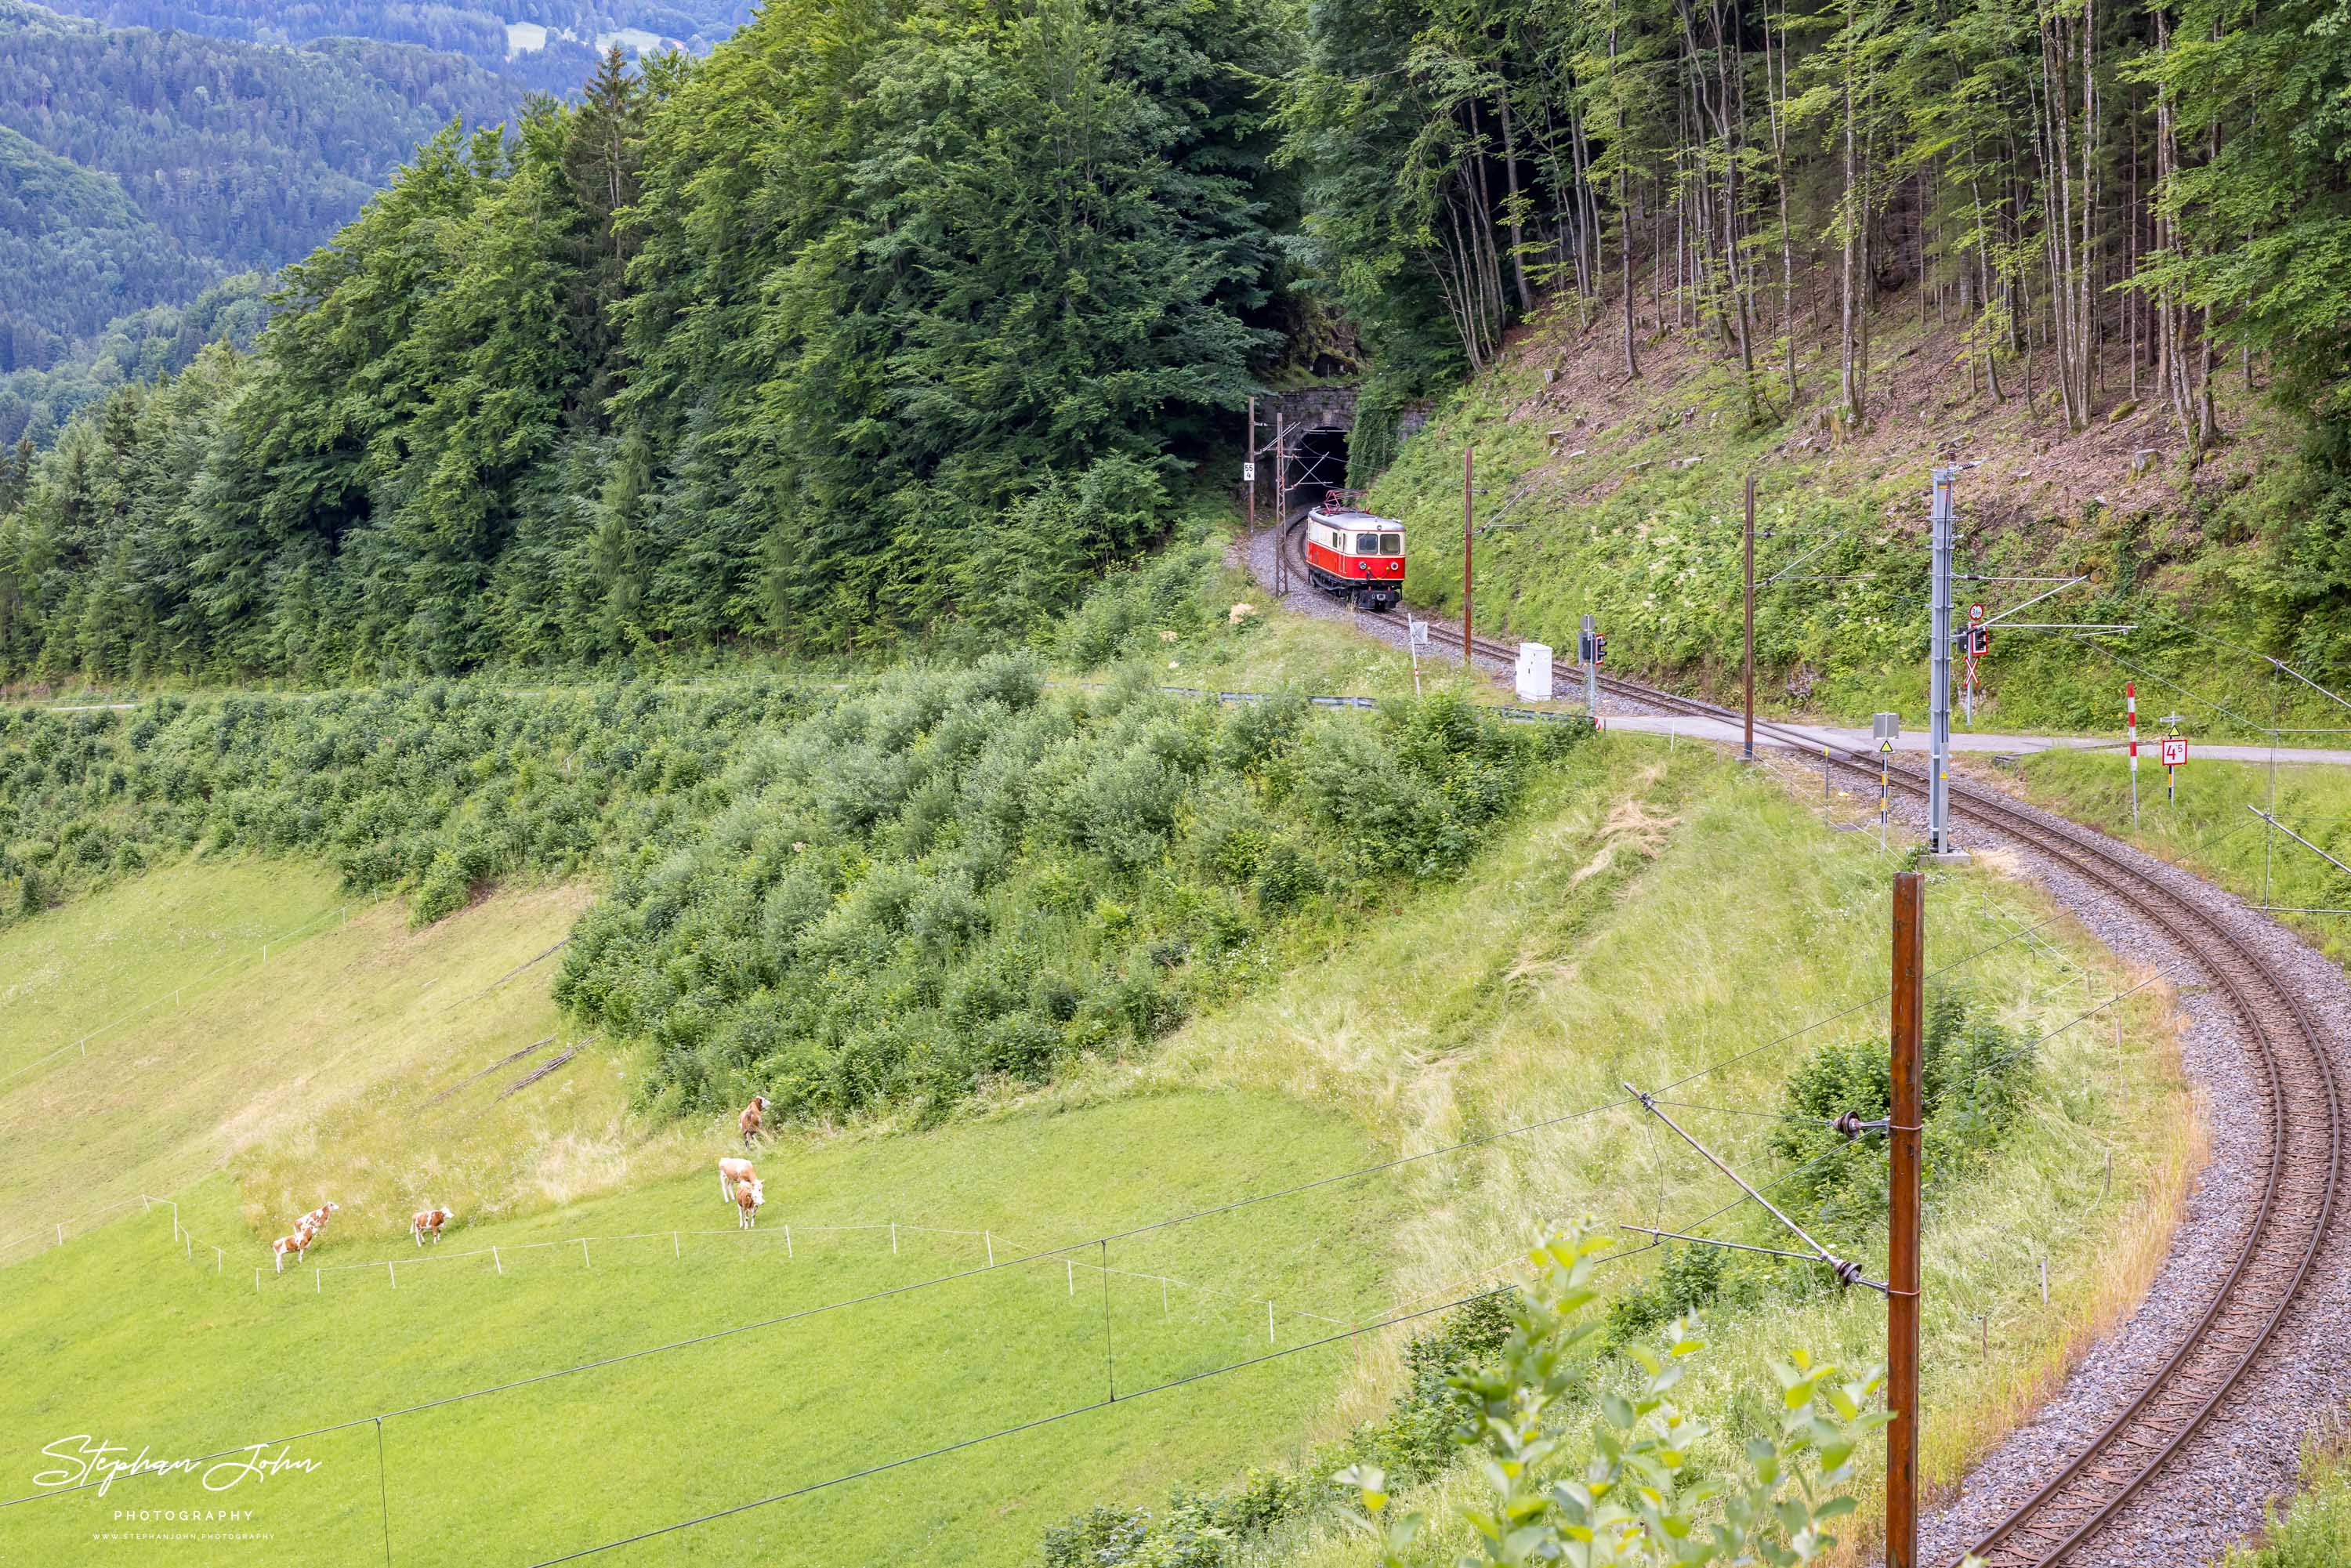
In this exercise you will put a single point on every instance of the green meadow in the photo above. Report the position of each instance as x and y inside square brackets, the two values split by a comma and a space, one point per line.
[1646, 914]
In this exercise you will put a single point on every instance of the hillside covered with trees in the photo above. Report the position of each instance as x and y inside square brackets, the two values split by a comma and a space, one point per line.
[557, 59]
[136, 168]
[880, 321]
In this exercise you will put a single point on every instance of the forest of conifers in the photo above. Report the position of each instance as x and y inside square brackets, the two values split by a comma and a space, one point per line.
[890, 317]
[138, 168]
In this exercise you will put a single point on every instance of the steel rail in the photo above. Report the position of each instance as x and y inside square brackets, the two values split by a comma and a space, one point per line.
[2303, 1099]
[2298, 1090]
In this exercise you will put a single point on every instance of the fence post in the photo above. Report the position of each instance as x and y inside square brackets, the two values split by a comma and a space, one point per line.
[672, 1246]
[317, 1280]
[584, 1264]
[788, 1241]
[218, 1260]
[61, 1232]
[1268, 1321]
[1073, 1268]
[498, 1263]
[393, 1273]
[991, 1246]
[894, 1238]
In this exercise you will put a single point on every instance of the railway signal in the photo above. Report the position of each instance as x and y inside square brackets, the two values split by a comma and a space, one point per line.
[1884, 728]
[2130, 727]
[1939, 844]
[2175, 756]
[1588, 644]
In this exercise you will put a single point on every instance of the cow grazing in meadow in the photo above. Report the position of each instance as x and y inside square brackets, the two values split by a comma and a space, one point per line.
[298, 1244]
[316, 1220]
[732, 1174]
[429, 1222]
[748, 1197]
[753, 1117]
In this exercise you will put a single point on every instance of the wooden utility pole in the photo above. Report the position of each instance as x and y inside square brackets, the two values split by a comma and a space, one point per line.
[1468, 456]
[1906, 1132]
[1280, 504]
[1747, 750]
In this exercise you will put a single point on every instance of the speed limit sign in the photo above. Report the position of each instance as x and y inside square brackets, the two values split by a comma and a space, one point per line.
[1975, 613]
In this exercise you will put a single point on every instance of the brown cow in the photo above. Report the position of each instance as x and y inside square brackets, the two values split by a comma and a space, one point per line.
[316, 1220]
[298, 1244]
[733, 1173]
[748, 1197]
[430, 1221]
[753, 1115]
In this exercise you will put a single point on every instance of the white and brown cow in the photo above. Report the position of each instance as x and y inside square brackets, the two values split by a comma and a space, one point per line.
[316, 1220]
[428, 1222]
[754, 1115]
[748, 1197]
[733, 1173]
[298, 1244]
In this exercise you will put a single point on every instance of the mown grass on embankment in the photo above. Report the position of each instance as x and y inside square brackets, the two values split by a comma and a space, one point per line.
[127, 1339]
[2211, 831]
[1659, 914]
[362, 1012]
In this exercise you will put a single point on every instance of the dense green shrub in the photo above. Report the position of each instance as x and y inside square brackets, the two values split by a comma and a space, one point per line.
[960, 876]
[438, 788]
[836, 898]
[1977, 1073]
[1418, 1437]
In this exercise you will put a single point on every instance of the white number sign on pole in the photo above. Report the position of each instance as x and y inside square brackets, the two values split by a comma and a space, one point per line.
[1248, 473]
[2175, 753]
[1534, 671]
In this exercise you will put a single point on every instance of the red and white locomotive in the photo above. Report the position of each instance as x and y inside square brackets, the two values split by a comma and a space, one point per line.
[1353, 553]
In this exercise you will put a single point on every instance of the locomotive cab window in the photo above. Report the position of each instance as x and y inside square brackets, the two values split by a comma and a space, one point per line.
[1367, 544]
[1392, 544]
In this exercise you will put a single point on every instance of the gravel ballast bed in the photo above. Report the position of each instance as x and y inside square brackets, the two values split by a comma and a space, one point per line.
[2219, 1485]
[2215, 1489]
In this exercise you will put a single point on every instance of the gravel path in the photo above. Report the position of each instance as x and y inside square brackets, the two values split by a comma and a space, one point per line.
[2219, 1483]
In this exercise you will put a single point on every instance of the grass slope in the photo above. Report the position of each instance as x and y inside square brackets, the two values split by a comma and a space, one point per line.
[129, 950]
[2209, 830]
[1651, 912]
[1661, 913]
[348, 1016]
[189, 1361]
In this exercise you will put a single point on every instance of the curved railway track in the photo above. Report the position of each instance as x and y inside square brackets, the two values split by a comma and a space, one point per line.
[2301, 1099]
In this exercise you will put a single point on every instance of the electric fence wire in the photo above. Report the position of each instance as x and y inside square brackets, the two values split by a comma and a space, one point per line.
[155, 1000]
[1088, 1243]
[1326, 1340]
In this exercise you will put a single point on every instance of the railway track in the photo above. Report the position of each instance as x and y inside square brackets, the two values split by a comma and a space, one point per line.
[2300, 1099]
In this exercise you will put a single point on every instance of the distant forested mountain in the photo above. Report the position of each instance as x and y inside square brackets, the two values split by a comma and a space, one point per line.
[136, 168]
[157, 342]
[551, 46]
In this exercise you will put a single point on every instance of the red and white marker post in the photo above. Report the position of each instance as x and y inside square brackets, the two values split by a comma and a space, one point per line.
[2130, 723]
